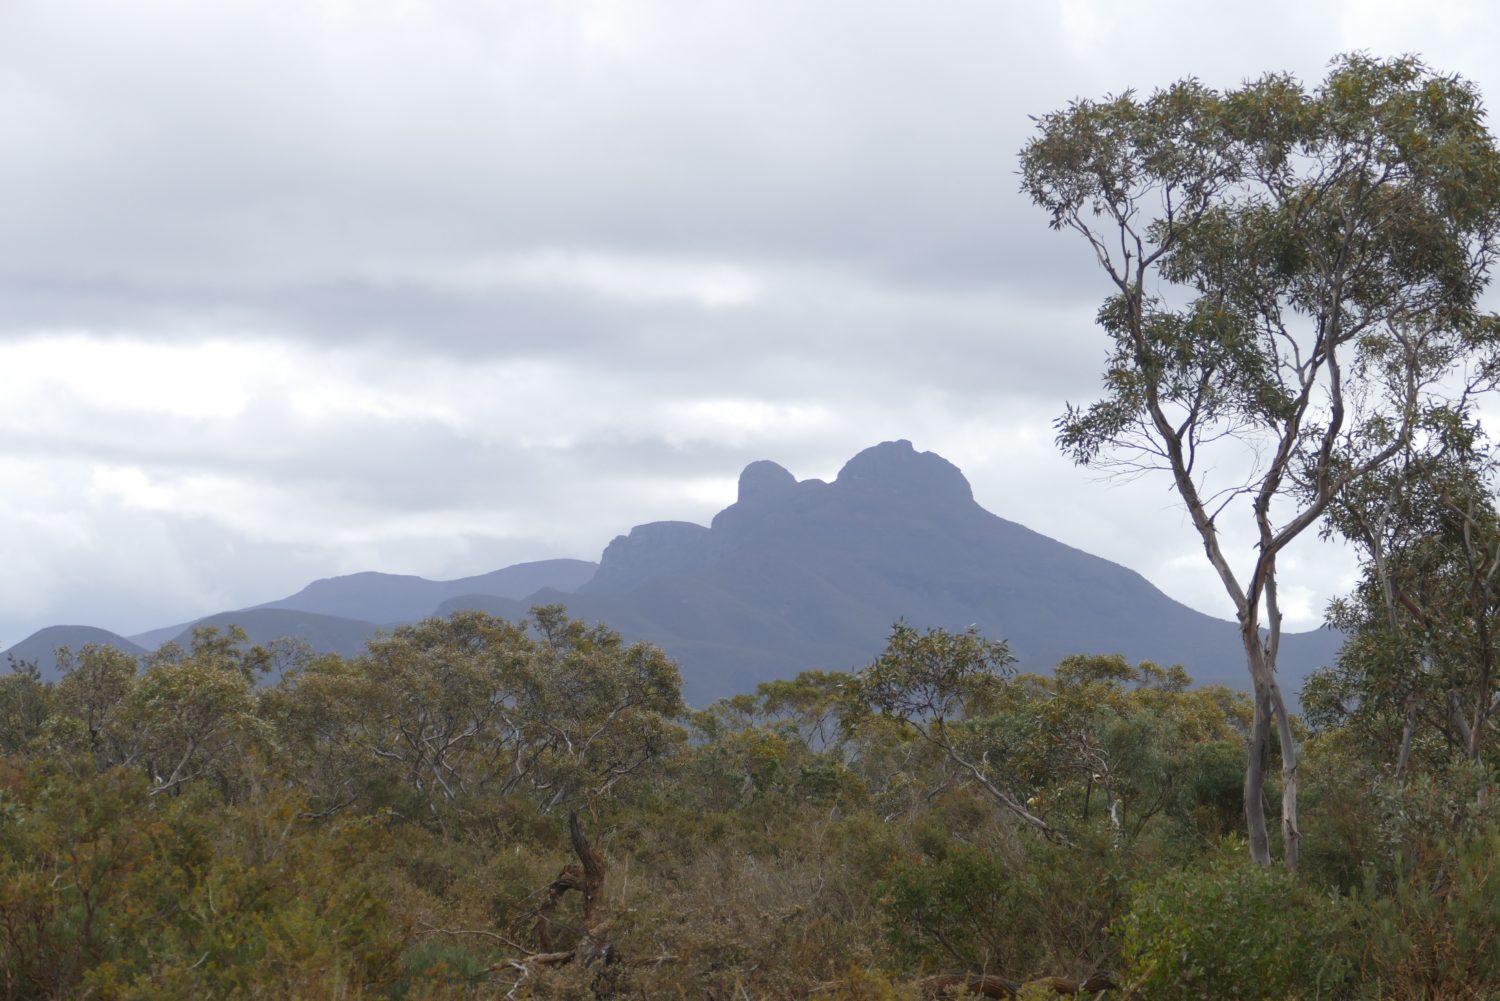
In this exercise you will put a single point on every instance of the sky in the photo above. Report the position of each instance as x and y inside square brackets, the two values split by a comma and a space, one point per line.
[295, 288]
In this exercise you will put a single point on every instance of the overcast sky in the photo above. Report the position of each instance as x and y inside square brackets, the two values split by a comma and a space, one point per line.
[292, 289]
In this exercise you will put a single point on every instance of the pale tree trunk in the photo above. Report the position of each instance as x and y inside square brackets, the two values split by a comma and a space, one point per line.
[1408, 725]
[1269, 706]
[1255, 780]
[1291, 833]
[1116, 822]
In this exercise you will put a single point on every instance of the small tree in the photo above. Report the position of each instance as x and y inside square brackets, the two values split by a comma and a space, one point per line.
[1424, 620]
[939, 684]
[470, 708]
[1296, 278]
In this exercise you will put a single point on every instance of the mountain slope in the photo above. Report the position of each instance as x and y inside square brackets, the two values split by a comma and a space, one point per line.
[41, 646]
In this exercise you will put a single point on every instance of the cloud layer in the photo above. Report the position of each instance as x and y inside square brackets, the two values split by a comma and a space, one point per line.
[295, 289]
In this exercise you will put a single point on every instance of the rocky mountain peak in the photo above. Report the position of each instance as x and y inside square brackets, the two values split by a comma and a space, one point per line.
[765, 479]
[896, 468]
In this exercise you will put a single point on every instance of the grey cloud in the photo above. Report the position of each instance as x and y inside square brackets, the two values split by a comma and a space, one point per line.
[856, 132]
[322, 179]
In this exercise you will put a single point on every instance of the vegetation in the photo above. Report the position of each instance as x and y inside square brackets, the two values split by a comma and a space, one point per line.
[477, 808]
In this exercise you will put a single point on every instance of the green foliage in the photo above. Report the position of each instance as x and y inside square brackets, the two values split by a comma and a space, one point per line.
[931, 674]
[1362, 201]
[1208, 798]
[104, 892]
[1233, 932]
[443, 719]
[1436, 934]
[1296, 278]
[1019, 909]
[441, 965]
[1417, 680]
[25, 704]
[89, 717]
[388, 827]
[959, 908]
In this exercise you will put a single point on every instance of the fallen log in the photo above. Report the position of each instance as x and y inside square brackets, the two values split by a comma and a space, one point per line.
[985, 984]
[992, 986]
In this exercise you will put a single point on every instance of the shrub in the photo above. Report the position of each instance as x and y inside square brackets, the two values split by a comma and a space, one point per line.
[961, 908]
[1436, 934]
[1233, 932]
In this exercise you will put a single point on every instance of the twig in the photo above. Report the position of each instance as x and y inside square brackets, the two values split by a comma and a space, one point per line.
[476, 931]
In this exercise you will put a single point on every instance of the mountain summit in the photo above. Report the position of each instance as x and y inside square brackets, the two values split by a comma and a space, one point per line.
[896, 469]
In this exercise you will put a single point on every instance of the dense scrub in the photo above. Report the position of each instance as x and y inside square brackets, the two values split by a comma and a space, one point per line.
[397, 827]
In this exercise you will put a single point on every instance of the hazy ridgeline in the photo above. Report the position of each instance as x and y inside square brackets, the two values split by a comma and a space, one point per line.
[794, 575]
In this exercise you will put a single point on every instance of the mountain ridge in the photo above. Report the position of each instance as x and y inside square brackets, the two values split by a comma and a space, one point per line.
[800, 574]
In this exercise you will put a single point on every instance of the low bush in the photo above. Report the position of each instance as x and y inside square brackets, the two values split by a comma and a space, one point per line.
[1234, 932]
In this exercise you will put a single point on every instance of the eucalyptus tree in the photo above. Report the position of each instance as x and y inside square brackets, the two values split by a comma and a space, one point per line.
[89, 713]
[1423, 658]
[944, 687]
[25, 702]
[473, 708]
[1295, 282]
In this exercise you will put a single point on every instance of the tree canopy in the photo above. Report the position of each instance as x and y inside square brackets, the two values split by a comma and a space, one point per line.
[1295, 279]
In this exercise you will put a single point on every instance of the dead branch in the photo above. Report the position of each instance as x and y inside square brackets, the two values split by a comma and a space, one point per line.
[484, 933]
[570, 878]
[593, 868]
[587, 877]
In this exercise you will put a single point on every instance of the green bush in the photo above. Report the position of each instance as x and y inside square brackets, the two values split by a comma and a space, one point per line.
[1018, 908]
[1436, 934]
[446, 964]
[1233, 932]
[963, 908]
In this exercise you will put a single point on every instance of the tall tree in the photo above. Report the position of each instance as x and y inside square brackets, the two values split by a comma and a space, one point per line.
[1296, 276]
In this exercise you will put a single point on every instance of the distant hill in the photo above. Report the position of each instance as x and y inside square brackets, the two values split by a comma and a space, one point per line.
[389, 598]
[41, 646]
[153, 638]
[812, 574]
[323, 633]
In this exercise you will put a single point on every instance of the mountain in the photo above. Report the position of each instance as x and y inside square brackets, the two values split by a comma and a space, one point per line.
[806, 574]
[797, 575]
[41, 646]
[323, 633]
[383, 597]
